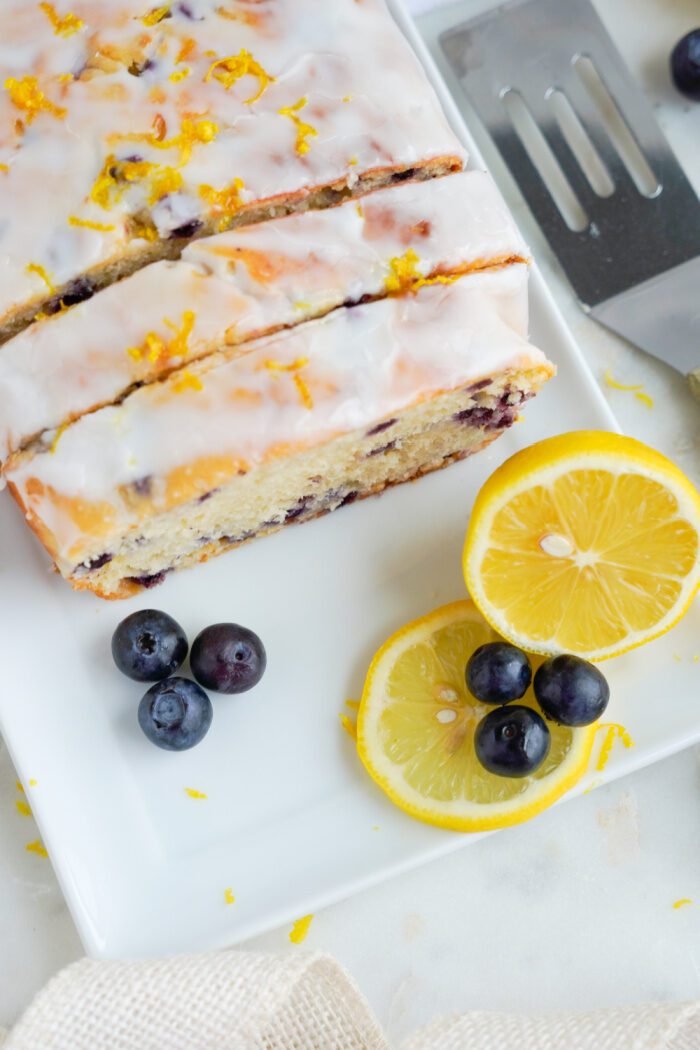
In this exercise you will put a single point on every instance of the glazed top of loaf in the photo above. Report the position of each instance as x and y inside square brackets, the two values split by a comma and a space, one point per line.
[172, 442]
[126, 119]
[246, 282]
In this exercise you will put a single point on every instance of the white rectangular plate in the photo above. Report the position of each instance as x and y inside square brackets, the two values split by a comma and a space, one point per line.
[291, 822]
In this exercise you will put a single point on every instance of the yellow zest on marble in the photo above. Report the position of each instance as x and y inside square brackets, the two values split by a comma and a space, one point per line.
[228, 896]
[57, 437]
[26, 95]
[614, 730]
[99, 226]
[300, 930]
[228, 70]
[63, 25]
[153, 347]
[348, 725]
[193, 793]
[304, 131]
[681, 903]
[152, 18]
[636, 389]
[23, 808]
[294, 367]
[41, 272]
[187, 381]
[36, 847]
[226, 201]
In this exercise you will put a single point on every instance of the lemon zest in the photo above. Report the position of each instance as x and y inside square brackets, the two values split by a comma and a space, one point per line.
[4, 168]
[187, 381]
[186, 50]
[26, 95]
[154, 347]
[152, 18]
[681, 902]
[57, 437]
[353, 704]
[300, 930]
[165, 180]
[36, 847]
[228, 70]
[23, 808]
[304, 131]
[302, 305]
[301, 362]
[178, 344]
[405, 276]
[180, 74]
[228, 896]
[66, 78]
[19, 787]
[227, 200]
[41, 272]
[32, 783]
[614, 730]
[100, 226]
[347, 98]
[304, 391]
[112, 181]
[192, 132]
[193, 793]
[636, 388]
[348, 725]
[353, 161]
[63, 25]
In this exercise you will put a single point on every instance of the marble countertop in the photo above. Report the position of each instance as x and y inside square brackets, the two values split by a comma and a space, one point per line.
[572, 911]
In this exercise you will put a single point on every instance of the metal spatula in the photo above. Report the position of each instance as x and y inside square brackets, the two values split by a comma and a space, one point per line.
[630, 242]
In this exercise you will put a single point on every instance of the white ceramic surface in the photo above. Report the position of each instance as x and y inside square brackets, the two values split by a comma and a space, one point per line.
[471, 931]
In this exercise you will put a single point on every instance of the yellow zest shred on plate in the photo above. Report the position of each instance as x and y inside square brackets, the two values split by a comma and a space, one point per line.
[89, 225]
[63, 25]
[33, 783]
[304, 131]
[36, 847]
[613, 731]
[348, 725]
[300, 930]
[19, 787]
[26, 95]
[187, 381]
[193, 793]
[4, 168]
[228, 70]
[23, 807]
[228, 896]
[681, 903]
[42, 273]
[636, 389]
[156, 15]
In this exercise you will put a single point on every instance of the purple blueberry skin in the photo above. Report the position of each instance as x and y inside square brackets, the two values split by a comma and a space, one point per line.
[228, 658]
[149, 645]
[175, 714]
[512, 741]
[498, 673]
[685, 65]
[571, 691]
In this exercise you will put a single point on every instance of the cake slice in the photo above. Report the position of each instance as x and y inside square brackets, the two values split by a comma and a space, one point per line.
[309, 420]
[126, 129]
[243, 284]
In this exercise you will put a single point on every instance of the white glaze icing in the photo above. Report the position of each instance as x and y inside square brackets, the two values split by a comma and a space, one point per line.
[242, 283]
[343, 64]
[357, 366]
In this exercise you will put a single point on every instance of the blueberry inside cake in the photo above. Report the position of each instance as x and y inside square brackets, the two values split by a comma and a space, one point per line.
[261, 288]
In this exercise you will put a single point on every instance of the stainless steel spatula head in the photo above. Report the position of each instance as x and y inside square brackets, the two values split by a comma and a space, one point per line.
[582, 143]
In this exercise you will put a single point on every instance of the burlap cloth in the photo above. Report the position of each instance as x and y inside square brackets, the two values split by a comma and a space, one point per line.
[245, 1001]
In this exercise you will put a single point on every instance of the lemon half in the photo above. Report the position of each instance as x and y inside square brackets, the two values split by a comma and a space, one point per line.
[416, 723]
[584, 543]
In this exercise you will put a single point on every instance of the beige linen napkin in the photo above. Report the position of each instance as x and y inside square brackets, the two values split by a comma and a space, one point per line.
[246, 1001]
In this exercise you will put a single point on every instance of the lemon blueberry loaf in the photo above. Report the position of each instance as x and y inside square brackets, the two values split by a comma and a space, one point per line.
[128, 128]
[310, 419]
[246, 283]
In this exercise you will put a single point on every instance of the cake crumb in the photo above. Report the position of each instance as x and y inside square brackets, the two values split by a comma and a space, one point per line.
[300, 930]
[681, 902]
[36, 847]
[193, 793]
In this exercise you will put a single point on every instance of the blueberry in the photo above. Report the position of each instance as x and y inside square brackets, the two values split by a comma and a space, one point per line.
[512, 741]
[685, 65]
[175, 714]
[571, 691]
[149, 645]
[228, 658]
[498, 673]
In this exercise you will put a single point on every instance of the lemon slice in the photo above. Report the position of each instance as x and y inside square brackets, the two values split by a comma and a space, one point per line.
[415, 731]
[584, 543]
